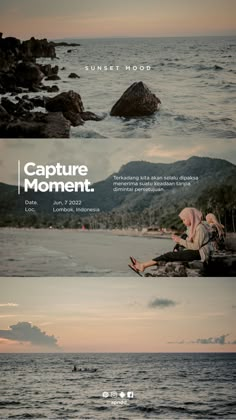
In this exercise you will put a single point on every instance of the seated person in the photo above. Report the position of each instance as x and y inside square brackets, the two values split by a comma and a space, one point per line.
[197, 245]
[217, 231]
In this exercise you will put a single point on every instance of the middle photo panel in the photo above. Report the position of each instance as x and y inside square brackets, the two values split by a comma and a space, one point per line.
[117, 208]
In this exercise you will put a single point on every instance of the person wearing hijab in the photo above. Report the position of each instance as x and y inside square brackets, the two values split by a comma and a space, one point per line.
[217, 231]
[197, 244]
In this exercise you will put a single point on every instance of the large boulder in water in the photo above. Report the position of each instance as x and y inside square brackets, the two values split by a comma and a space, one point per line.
[65, 102]
[136, 101]
[28, 74]
[74, 118]
[86, 116]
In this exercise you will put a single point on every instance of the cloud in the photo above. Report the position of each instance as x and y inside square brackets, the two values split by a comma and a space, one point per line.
[210, 340]
[8, 304]
[26, 332]
[161, 303]
[176, 153]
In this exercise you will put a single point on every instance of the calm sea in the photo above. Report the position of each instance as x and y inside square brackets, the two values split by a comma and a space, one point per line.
[45, 252]
[193, 77]
[159, 386]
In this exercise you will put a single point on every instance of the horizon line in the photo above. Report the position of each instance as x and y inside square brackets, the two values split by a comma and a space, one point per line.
[146, 36]
[122, 352]
[221, 35]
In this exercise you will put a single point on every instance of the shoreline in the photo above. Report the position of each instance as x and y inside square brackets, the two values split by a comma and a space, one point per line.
[115, 232]
[230, 236]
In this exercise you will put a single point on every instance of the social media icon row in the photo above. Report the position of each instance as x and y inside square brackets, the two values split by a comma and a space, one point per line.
[114, 394]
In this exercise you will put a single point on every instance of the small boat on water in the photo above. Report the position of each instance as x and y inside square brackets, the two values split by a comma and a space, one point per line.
[85, 370]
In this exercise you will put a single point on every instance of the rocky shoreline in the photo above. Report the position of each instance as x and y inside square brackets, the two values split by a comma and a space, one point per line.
[21, 74]
[221, 264]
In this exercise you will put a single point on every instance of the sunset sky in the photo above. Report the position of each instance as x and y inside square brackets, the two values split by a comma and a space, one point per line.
[117, 315]
[105, 18]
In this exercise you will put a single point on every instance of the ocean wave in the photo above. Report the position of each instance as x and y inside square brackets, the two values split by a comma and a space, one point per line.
[6, 403]
[205, 413]
[186, 118]
[94, 270]
[147, 409]
[227, 85]
[103, 408]
[202, 67]
[86, 133]
[27, 416]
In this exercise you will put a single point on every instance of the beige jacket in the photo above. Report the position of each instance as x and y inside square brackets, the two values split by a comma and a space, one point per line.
[200, 238]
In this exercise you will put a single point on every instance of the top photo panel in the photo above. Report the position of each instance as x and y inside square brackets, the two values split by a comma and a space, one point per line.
[127, 69]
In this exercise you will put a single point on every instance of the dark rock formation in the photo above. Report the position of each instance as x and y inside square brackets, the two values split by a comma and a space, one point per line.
[36, 88]
[230, 242]
[20, 73]
[65, 44]
[8, 82]
[53, 88]
[18, 67]
[56, 126]
[4, 115]
[74, 118]
[65, 102]
[48, 70]
[28, 74]
[18, 108]
[221, 264]
[8, 105]
[53, 77]
[36, 125]
[136, 101]
[10, 50]
[71, 105]
[38, 48]
[10, 43]
[22, 106]
[74, 76]
[90, 116]
[36, 101]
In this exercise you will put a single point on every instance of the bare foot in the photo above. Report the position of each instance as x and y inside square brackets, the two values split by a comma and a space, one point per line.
[139, 266]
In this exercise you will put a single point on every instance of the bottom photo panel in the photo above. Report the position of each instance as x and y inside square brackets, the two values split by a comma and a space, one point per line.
[113, 348]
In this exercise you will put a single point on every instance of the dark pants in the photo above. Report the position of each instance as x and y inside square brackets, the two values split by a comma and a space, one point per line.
[187, 255]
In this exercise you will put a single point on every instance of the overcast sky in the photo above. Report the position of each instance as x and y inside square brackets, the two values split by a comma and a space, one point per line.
[105, 156]
[107, 18]
[117, 315]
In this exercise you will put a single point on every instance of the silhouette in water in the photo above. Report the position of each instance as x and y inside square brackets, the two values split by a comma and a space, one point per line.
[90, 370]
